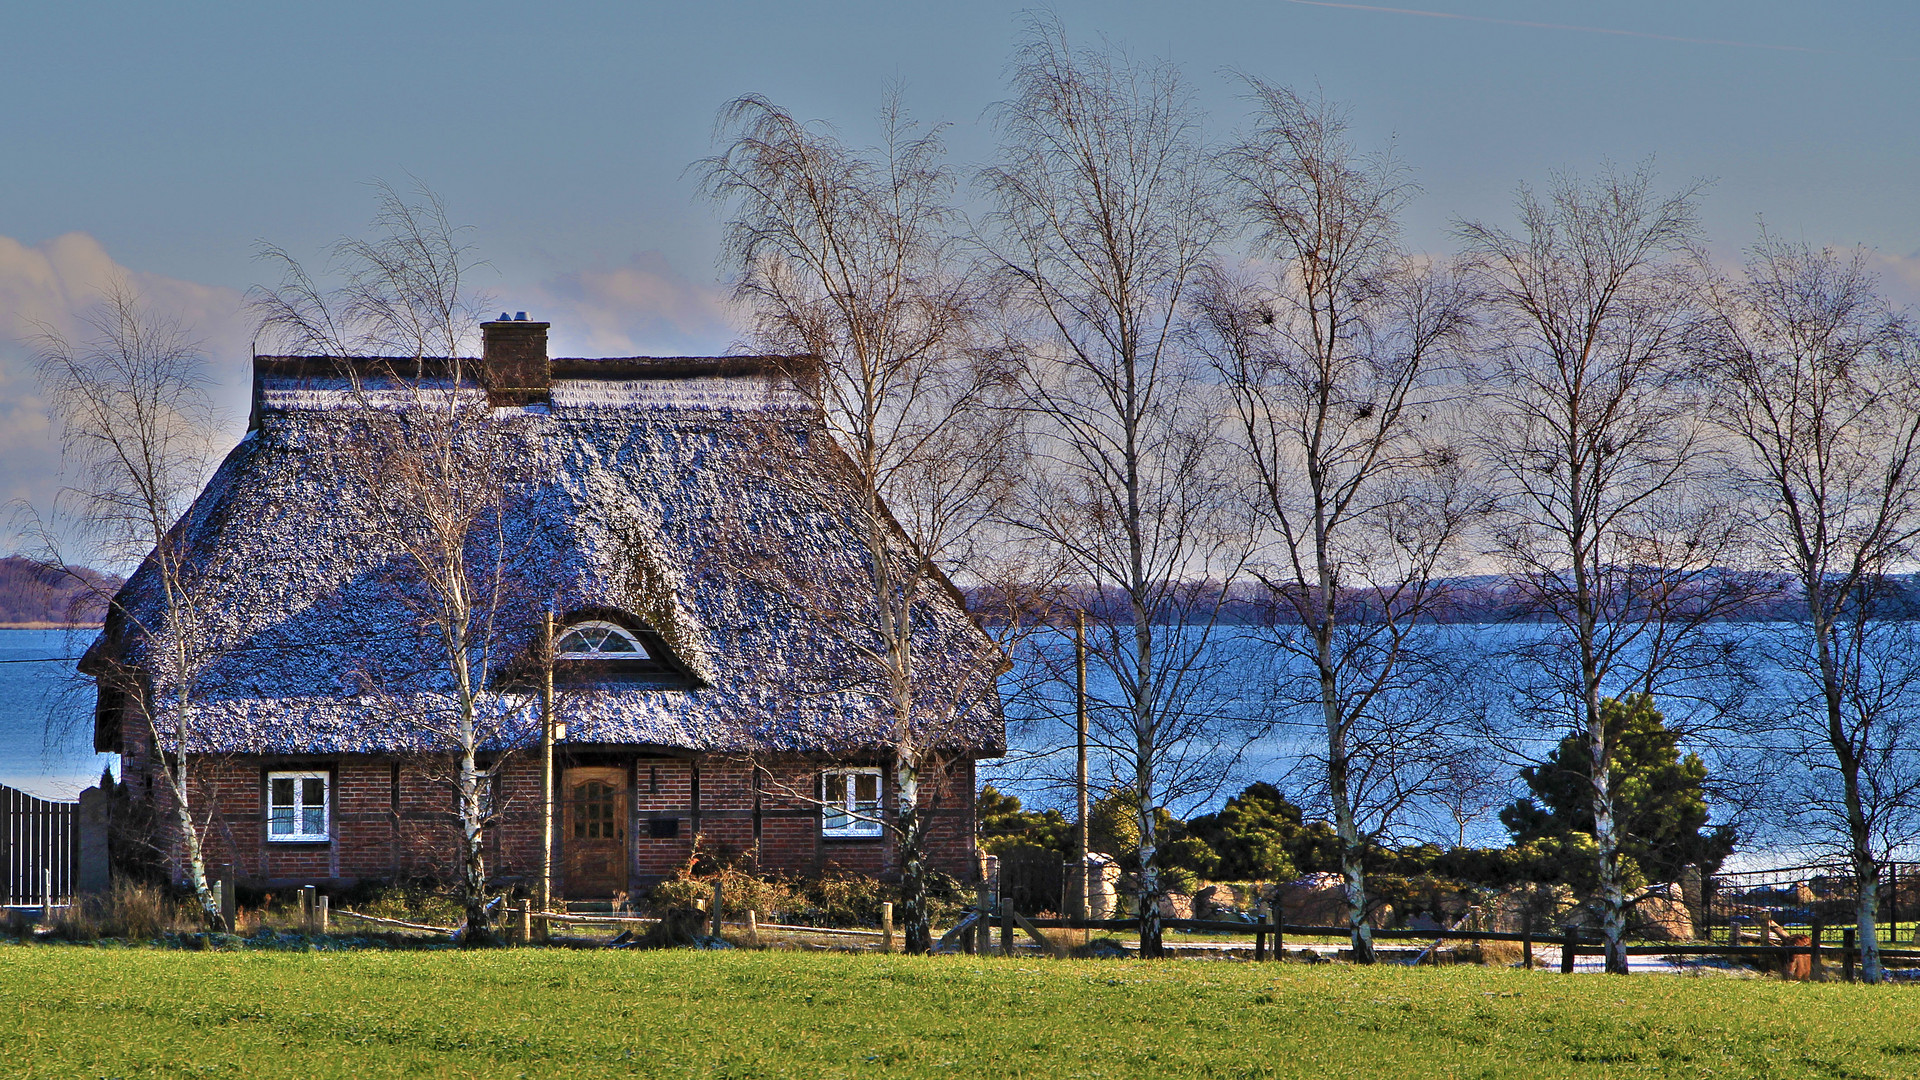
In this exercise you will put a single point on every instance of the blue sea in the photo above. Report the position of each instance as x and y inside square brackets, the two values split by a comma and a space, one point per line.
[46, 719]
[46, 714]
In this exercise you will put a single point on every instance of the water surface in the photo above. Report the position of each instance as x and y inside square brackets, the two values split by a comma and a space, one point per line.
[46, 714]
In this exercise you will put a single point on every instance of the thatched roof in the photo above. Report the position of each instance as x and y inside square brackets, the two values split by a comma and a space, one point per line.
[630, 492]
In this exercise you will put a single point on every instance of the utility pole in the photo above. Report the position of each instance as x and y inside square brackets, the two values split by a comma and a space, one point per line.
[546, 764]
[1080, 769]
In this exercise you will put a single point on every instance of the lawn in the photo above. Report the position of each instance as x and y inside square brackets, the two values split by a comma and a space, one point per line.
[107, 1012]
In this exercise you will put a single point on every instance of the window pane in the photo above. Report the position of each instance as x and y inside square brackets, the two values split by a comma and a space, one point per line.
[282, 821]
[313, 791]
[835, 819]
[314, 822]
[866, 788]
[597, 639]
[837, 789]
[282, 793]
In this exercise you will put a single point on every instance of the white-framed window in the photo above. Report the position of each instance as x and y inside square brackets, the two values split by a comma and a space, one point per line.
[297, 807]
[597, 639]
[852, 798]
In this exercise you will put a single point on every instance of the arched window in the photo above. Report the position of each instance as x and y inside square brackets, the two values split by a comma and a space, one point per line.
[598, 640]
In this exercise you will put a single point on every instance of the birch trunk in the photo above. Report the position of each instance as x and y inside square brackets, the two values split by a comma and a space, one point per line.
[911, 831]
[177, 785]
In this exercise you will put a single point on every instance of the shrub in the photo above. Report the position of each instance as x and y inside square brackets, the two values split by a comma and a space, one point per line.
[836, 898]
[1003, 822]
[411, 901]
[139, 911]
[132, 911]
[1179, 879]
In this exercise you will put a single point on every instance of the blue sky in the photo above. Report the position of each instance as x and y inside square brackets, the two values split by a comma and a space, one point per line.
[163, 141]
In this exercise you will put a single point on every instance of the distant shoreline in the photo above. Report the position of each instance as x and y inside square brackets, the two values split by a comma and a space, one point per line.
[50, 626]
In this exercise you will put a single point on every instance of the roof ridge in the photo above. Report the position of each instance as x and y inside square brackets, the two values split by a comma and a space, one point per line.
[562, 367]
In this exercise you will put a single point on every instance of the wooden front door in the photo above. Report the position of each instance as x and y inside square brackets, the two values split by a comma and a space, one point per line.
[594, 835]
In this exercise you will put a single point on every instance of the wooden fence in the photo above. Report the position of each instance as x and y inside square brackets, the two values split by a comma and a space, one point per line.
[975, 930]
[39, 849]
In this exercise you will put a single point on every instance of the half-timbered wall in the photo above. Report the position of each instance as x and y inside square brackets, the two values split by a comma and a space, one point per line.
[392, 819]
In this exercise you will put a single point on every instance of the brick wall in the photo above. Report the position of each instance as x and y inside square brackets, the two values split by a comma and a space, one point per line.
[392, 818]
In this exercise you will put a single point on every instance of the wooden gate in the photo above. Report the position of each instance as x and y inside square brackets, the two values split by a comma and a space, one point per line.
[39, 849]
[1033, 879]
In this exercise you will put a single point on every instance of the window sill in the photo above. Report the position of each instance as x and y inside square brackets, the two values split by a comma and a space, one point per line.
[852, 838]
[300, 841]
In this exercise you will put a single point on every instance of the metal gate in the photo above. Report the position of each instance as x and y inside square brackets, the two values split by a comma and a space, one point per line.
[39, 849]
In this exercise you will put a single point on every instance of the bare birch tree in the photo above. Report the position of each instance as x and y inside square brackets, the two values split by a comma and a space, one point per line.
[1103, 220]
[1609, 526]
[1337, 365]
[422, 445]
[138, 425]
[1817, 381]
[848, 260]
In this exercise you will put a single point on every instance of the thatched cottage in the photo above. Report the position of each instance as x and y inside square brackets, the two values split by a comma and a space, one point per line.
[697, 704]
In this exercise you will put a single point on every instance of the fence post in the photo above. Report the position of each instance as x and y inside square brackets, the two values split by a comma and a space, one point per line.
[1566, 953]
[1006, 927]
[716, 907]
[753, 926]
[1259, 934]
[1893, 902]
[309, 907]
[6, 845]
[983, 929]
[886, 927]
[1846, 954]
[1526, 936]
[526, 922]
[324, 913]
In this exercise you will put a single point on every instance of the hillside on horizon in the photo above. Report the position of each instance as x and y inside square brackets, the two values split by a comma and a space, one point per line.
[33, 594]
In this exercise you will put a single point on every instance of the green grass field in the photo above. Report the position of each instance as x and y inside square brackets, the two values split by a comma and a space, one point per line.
[105, 1012]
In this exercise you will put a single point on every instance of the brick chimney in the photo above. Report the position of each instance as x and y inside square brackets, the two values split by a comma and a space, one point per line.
[514, 366]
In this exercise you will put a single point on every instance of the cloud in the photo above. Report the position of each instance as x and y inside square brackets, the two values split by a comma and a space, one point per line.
[640, 308]
[49, 288]
[52, 285]
[1899, 277]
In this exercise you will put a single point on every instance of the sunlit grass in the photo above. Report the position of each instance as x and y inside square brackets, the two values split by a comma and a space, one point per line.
[140, 1012]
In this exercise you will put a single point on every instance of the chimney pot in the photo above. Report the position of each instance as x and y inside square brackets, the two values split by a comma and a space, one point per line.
[519, 316]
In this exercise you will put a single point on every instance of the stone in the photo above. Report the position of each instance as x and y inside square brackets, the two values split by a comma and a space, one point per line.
[1506, 912]
[1319, 899]
[1660, 912]
[1103, 886]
